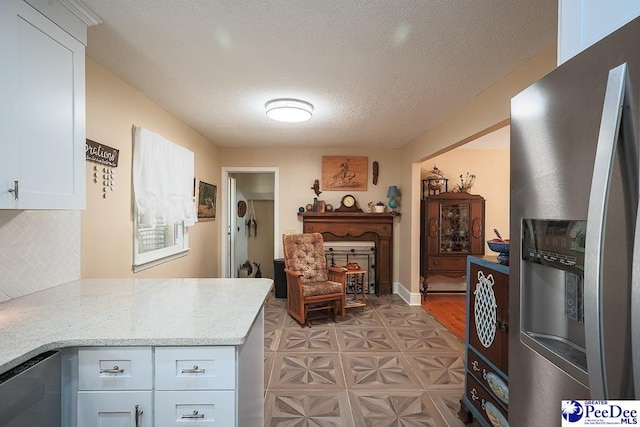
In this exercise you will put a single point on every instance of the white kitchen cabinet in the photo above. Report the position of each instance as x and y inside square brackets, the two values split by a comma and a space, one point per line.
[115, 409]
[115, 368]
[195, 384]
[209, 386]
[210, 408]
[195, 368]
[582, 23]
[42, 111]
[115, 387]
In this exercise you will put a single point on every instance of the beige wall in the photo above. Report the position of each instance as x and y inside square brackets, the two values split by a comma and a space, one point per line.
[299, 167]
[487, 110]
[113, 108]
[491, 167]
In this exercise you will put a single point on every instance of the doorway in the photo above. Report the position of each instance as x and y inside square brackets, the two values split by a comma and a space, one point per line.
[250, 221]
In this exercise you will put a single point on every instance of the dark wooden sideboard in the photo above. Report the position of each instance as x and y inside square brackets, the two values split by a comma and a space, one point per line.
[359, 226]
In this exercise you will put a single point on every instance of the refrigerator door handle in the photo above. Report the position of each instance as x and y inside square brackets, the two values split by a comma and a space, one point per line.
[635, 309]
[614, 100]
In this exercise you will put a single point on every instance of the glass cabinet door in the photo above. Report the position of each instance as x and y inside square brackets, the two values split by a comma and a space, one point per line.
[454, 227]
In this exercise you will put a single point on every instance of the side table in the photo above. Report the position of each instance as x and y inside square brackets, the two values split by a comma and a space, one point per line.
[355, 281]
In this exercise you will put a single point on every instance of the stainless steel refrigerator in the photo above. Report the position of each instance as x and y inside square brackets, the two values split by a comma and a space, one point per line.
[573, 223]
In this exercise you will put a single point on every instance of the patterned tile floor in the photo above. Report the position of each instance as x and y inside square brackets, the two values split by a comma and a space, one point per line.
[388, 364]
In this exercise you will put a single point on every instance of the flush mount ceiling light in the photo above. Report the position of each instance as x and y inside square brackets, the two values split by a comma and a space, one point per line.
[288, 110]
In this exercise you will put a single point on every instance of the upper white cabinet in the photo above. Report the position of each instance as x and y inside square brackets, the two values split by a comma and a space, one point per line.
[582, 23]
[42, 111]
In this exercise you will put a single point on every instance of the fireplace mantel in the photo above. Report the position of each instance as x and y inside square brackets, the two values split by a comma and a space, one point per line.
[376, 227]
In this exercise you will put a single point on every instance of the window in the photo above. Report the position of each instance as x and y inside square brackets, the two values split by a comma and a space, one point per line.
[163, 205]
[155, 245]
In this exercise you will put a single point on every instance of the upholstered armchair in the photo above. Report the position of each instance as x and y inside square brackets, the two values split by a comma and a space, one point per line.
[311, 285]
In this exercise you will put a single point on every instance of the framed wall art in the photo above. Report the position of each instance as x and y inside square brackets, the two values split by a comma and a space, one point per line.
[344, 173]
[206, 199]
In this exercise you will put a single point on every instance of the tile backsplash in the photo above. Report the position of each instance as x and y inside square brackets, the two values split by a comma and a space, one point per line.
[38, 250]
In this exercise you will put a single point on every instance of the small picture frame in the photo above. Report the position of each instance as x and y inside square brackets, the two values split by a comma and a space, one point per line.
[206, 201]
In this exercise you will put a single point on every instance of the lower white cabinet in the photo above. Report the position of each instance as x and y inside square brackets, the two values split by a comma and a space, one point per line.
[115, 368]
[195, 368]
[115, 409]
[206, 386]
[156, 386]
[202, 408]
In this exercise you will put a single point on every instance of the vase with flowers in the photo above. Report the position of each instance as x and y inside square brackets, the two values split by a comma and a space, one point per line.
[466, 182]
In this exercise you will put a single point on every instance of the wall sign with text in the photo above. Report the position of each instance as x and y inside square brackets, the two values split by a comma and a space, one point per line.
[108, 158]
[103, 154]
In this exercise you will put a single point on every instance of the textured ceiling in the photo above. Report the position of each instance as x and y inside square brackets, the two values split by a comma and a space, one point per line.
[379, 73]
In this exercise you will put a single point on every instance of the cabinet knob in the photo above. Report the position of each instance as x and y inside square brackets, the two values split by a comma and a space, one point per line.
[504, 326]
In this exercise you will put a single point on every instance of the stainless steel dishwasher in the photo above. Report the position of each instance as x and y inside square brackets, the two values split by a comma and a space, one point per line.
[30, 393]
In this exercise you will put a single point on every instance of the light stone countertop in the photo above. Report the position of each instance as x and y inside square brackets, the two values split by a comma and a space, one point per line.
[129, 312]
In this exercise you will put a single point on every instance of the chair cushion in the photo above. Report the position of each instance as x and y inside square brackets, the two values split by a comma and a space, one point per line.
[311, 289]
[305, 253]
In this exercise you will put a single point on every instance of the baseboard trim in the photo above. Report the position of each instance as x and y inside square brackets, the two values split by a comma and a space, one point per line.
[411, 298]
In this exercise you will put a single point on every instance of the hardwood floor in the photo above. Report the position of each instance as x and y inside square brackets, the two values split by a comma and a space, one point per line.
[449, 309]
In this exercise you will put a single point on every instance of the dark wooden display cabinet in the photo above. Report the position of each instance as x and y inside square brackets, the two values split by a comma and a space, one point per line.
[486, 397]
[452, 228]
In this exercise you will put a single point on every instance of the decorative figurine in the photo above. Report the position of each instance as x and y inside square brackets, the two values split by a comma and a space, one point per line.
[316, 187]
[376, 169]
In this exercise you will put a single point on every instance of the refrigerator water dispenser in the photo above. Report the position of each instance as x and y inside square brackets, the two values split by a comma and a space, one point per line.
[552, 270]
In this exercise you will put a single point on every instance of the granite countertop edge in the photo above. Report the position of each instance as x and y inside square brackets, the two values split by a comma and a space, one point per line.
[129, 312]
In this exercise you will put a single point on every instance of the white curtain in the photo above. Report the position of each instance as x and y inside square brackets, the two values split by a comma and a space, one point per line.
[163, 177]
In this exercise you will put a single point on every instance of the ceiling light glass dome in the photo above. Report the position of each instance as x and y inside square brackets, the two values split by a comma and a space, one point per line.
[288, 110]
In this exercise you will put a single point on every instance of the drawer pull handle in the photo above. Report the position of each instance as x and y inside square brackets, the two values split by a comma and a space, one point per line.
[193, 370]
[194, 415]
[14, 190]
[474, 394]
[138, 416]
[114, 370]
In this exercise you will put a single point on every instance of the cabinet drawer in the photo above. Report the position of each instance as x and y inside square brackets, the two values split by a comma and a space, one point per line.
[204, 408]
[485, 404]
[113, 368]
[195, 368]
[486, 375]
[114, 408]
[448, 263]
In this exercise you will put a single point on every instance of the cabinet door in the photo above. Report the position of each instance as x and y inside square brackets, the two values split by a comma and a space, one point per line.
[488, 314]
[454, 218]
[476, 228]
[585, 22]
[432, 226]
[42, 113]
[115, 409]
